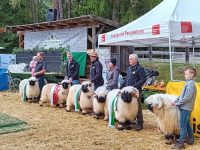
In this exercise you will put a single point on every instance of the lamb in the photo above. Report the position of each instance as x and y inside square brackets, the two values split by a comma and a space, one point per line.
[167, 116]
[126, 106]
[29, 89]
[55, 94]
[99, 101]
[80, 96]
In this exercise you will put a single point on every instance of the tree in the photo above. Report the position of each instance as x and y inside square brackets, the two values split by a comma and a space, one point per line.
[69, 8]
[115, 14]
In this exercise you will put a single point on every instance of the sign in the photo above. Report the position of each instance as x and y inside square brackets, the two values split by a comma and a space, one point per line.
[156, 29]
[186, 27]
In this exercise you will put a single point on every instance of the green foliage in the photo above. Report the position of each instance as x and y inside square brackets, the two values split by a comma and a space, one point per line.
[164, 70]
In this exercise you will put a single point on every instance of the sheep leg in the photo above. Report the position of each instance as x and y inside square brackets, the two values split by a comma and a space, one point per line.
[106, 114]
[84, 111]
[121, 126]
[168, 139]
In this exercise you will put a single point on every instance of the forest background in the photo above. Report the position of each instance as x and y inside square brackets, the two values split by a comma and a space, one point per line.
[18, 12]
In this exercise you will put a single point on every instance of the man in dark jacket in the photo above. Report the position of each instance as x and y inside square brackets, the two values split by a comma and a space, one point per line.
[72, 70]
[96, 69]
[136, 77]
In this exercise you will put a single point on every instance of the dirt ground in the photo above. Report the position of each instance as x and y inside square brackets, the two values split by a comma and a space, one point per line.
[54, 128]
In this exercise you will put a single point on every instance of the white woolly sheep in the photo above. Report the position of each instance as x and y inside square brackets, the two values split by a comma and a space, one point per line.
[86, 90]
[53, 94]
[29, 89]
[99, 101]
[126, 106]
[167, 116]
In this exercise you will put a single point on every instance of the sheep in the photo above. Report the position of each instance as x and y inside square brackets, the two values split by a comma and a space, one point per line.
[82, 92]
[167, 116]
[55, 94]
[99, 101]
[29, 89]
[126, 106]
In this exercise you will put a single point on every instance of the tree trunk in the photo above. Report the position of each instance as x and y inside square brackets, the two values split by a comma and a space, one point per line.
[36, 11]
[115, 15]
[32, 10]
[60, 6]
[56, 6]
[69, 10]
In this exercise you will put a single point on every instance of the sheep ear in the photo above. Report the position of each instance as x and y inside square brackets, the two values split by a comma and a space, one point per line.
[136, 94]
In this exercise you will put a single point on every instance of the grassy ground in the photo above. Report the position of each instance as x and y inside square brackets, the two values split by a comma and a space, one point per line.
[164, 70]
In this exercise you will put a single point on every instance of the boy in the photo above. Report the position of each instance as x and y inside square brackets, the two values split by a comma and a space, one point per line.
[186, 106]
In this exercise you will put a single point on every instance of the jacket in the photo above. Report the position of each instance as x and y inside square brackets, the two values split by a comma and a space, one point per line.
[96, 69]
[136, 77]
[72, 70]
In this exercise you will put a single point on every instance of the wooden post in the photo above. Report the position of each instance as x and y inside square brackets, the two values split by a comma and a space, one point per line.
[21, 39]
[187, 55]
[93, 37]
[150, 53]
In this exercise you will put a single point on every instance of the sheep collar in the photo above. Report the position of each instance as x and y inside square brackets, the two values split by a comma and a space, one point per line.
[77, 99]
[24, 92]
[54, 94]
[112, 109]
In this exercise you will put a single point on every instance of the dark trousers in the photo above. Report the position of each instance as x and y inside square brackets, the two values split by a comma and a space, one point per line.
[41, 82]
[139, 115]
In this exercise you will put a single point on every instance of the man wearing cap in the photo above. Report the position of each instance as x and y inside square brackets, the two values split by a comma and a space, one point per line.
[112, 76]
[96, 70]
[72, 70]
[136, 77]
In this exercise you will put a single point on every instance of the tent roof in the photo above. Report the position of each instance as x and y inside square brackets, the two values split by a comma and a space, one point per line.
[177, 19]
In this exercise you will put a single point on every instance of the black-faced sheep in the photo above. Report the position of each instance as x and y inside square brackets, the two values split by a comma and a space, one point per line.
[167, 116]
[29, 89]
[55, 94]
[126, 106]
[80, 96]
[99, 101]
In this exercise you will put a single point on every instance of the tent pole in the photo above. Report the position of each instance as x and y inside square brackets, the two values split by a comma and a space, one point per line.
[170, 55]
[193, 56]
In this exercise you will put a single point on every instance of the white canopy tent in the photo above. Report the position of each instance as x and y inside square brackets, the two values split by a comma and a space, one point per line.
[173, 23]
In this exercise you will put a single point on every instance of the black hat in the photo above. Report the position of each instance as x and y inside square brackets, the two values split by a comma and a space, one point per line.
[113, 61]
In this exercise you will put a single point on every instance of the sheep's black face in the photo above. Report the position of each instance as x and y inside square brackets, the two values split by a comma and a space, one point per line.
[84, 88]
[126, 96]
[149, 107]
[32, 83]
[65, 85]
[101, 99]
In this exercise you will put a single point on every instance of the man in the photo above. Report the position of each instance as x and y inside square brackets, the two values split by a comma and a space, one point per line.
[72, 70]
[96, 70]
[40, 69]
[136, 77]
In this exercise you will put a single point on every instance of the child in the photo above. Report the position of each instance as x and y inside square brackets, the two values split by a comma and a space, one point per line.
[33, 64]
[186, 106]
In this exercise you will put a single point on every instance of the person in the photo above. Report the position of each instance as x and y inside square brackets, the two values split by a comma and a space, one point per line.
[32, 65]
[112, 76]
[186, 105]
[72, 70]
[40, 69]
[96, 69]
[136, 77]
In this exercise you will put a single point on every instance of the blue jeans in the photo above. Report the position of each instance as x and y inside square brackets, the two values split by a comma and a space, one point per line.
[41, 82]
[75, 82]
[185, 128]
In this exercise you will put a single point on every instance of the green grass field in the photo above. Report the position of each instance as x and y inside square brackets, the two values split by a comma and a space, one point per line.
[164, 70]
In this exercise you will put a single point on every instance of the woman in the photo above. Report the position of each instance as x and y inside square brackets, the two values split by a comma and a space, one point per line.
[113, 74]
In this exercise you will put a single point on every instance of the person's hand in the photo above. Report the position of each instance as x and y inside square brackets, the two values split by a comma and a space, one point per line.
[173, 104]
[70, 79]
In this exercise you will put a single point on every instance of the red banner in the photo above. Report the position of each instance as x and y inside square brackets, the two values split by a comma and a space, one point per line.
[156, 29]
[186, 27]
